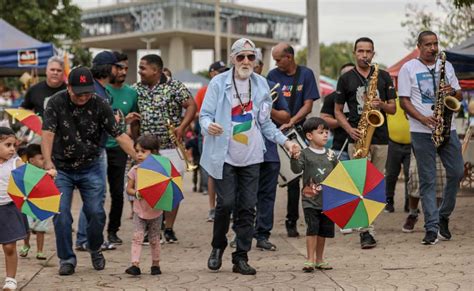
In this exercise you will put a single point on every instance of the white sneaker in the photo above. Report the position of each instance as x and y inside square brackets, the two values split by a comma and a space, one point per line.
[10, 284]
[346, 231]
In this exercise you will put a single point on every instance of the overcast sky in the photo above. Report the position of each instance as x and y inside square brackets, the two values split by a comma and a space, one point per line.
[339, 20]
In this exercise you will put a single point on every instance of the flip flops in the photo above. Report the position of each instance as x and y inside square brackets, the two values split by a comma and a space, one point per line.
[24, 251]
[308, 267]
[323, 266]
[41, 256]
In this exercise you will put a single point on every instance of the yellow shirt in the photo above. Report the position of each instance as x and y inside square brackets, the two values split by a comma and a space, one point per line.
[398, 126]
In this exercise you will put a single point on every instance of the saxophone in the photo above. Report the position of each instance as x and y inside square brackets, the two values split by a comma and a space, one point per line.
[180, 148]
[369, 119]
[445, 106]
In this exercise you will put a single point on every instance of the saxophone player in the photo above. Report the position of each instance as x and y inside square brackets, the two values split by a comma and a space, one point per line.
[353, 89]
[419, 91]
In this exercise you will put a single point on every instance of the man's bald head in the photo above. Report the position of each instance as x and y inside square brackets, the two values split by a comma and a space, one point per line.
[284, 56]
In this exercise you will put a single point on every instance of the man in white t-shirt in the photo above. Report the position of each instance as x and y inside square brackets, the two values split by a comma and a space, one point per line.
[234, 118]
[418, 81]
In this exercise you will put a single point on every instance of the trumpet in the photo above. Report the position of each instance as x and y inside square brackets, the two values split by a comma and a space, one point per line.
[274, 92]
[190, 166]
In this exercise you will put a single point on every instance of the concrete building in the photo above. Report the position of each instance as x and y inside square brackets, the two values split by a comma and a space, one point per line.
[177, 27]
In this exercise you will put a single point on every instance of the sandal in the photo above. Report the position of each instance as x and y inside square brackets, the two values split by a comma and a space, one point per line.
[24, 251]
[308, 267]
[40, 256]
[323, 266]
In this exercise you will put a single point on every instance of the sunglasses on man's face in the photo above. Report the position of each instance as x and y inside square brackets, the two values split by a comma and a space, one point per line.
[240, 58]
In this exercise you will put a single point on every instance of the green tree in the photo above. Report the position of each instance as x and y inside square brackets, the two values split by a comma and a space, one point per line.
[455, 26]
[48, 21]
[333, 56]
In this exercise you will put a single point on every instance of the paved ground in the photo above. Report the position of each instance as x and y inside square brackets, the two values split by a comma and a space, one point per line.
[398, 262]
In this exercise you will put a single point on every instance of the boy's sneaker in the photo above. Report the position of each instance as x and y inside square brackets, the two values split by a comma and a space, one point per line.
[133, 270]
[170, 236]
[146, 241]
[410, 223]
[212, 215]
[444, 233]
[431, 238]
[367, 241]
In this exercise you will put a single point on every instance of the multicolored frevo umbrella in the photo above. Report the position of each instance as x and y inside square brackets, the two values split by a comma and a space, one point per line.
[34, 192]
[354, 194]
[159, 183]
[27, 118]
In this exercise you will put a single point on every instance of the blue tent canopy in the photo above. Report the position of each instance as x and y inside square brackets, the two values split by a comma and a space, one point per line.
[20, 51]
[462, 58]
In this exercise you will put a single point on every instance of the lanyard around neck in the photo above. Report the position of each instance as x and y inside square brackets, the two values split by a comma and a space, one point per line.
[243, 106]
[432, 73]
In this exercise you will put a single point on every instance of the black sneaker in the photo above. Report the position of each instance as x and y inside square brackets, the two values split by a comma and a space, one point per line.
[146, 241]
[389, 206]
[291, 229]
[266, 245]
[155, 270]
[114, 239]
[98, 260]
[410, 223]
[444, 233]
[170, 236]
[243, 268]
[66, 269]
[133, 270]
[431, 238]
[367, 241]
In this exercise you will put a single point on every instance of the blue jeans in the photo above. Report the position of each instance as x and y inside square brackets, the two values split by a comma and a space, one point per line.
[82, 227]
[89, 181]
[266, 199]
[451, 157]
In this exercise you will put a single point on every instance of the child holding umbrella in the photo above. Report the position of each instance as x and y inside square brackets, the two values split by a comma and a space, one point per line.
[316, 162]
[144, 217]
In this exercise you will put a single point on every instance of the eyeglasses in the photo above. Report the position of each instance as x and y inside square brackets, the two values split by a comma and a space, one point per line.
[240, 58]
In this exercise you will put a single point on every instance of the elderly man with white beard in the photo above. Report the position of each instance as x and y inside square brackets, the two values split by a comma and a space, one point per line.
[234, 116]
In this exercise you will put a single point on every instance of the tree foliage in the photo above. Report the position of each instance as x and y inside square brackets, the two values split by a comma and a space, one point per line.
[48, 21]
[333, 56]
[452, 29]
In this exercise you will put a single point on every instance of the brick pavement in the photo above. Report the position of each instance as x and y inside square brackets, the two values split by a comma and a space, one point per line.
[398, 262]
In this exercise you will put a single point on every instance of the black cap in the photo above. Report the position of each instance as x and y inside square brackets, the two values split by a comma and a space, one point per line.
[81, 81]
[218, 66]
[105, 58]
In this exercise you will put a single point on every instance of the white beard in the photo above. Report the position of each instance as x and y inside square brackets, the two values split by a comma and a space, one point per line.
[244, 73]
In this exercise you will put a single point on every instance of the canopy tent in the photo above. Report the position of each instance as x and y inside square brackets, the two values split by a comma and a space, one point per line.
[192, 81]
[462, 58]
[20, 52]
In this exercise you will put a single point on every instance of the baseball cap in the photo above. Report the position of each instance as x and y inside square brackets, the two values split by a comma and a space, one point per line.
[218, 66]
[81, 81]
[239, 46]
[105, 58]
[259, 55]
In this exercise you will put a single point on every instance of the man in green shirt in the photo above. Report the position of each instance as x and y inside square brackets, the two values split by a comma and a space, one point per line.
[123, 100]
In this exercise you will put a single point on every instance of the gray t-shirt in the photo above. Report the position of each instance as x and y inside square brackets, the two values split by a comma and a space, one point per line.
[316, 165]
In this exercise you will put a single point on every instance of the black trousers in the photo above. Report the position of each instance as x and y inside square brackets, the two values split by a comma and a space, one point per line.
[398, 155]
[293, 204]
[116, 163]
[237, 190]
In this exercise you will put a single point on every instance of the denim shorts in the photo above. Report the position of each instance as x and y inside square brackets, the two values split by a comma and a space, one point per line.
[317, 223]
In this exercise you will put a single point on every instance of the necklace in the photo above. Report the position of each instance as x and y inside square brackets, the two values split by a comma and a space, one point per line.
[243, 106]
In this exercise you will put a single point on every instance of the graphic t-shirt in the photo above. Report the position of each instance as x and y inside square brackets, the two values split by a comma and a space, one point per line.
[38, 95]
[306, 87]
[352, 88]
[246, 144]
[419, 82]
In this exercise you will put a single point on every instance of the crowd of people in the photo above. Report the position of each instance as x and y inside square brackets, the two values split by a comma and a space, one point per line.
[95, 125]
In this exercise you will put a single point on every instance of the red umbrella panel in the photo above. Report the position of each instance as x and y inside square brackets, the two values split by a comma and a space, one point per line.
[27, 118]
